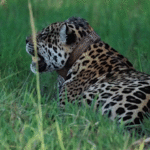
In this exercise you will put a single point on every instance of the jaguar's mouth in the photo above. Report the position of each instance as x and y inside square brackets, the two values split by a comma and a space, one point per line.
[41, 64]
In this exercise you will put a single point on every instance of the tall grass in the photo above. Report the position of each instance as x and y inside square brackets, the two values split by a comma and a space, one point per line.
[29, 121]
[39, 116]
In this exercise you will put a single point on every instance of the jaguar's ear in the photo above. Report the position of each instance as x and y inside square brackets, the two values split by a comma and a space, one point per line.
[67, 35]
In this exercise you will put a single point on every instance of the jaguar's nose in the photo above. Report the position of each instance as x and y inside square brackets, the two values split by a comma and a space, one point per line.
[27, 40]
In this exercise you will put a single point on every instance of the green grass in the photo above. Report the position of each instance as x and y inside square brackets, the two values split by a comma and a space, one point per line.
[125, 25]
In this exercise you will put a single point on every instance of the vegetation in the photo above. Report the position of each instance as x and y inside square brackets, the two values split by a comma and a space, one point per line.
[125, 25]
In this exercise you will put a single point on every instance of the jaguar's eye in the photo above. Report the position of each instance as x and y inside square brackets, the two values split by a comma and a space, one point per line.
[43, 36]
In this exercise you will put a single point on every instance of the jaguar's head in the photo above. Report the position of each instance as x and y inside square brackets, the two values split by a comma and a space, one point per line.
[55, 44]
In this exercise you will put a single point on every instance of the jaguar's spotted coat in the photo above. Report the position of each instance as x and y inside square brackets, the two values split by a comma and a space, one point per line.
[98, 70]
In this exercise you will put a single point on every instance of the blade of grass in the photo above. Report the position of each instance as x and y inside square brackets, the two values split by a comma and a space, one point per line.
[59, 136]
[40, 120]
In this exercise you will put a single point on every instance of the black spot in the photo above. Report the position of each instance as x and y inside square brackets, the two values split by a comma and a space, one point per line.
[62, 62]
[77, 26]
[133, 100]
[84, 34]
[140, 95]
[127, 118]
[93, 81]
[109, 75]
[55, 49]
[85, 62]
[99, 50]
[145, 89]
[120, 56]
[132, 107]
[52, 30]
[106, 95]
[143, 82]
[55, 58]
[94, 61]
[84, 96]
[94, 56]
[80, 91]
[95, 46]
[106, 46]
[103, 85]
[109, 53]
[59, 55]
[104, 63]
[145, 109]
[55, 42]
[108, 87]
[120, 111]
[129, 113]
[89, 101]
[101, 103]
[90, 66]
[80, 33]
[112, 103]
[107, 106]
[113, 89]
[82, 57]
[63, 103]
[118, 98]
[140, 115]
[128, 63]
[100, 57]
[113, 61]
[70, 26]
[73, 95]
[49, 53]
[133, 85]
[100, 90]
[91, 95]
[55, 66]
[107, 112]
[127, 105]
[65, 55]
[49, 40]
[137, 121]
[91, 53]
[113, 49]
[127, 90]
[81, 25]
[100, 44]
[49, 45]
[109, 68]
[101, 71]
[96, 66]
[148, 104]
[46, 49]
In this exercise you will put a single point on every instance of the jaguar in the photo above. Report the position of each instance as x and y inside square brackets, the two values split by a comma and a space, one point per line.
[92, 71]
